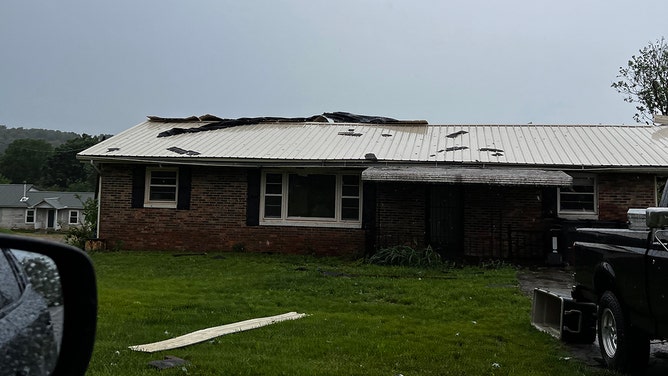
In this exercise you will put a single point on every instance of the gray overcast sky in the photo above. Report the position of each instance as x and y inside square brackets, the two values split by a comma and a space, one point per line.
[101, 67]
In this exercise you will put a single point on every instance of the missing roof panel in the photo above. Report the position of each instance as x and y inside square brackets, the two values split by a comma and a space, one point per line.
[451, 148]
[491, 150]
[178, 150]
[456, 134]
[350, 132]
[455, 148]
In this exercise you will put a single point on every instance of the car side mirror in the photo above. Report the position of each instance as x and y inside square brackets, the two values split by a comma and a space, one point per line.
[48, 307]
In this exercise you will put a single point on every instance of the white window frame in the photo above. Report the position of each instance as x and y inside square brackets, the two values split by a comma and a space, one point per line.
[580, 214]
[148, 203]
[285, 220]
[34, 215]
[69, 217]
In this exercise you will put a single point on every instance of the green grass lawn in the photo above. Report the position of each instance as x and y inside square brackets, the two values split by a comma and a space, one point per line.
[362, 319]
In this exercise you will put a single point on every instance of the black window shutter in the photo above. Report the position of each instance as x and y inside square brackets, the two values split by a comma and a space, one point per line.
[138, 186]
[550, 196]
[253, 197]
[185, 186]
[369, 205]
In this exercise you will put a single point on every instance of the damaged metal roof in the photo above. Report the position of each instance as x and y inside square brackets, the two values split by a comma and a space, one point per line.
[322, 140]
[216, 123]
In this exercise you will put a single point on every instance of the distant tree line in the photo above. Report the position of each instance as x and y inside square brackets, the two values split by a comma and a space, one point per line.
[55, 138]
[47, 159]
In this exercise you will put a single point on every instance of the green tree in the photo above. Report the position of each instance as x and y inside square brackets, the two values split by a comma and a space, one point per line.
[63, 170]
[24, 160]
[644, 80]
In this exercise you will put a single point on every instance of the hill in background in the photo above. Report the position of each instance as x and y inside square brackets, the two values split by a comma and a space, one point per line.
[55, 138]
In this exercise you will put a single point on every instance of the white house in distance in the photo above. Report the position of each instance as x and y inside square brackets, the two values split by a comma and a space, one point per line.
[25, 207]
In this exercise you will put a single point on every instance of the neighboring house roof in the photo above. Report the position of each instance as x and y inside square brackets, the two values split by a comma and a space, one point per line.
[321, 143]
[11, 194]
[11, 197]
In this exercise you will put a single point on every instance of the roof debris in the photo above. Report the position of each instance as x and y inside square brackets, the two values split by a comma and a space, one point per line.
[451, 148]
[350, 132]
[493, 150]
[214, 123]
[455, 148]
[178, 150]
[217, 331]
[456, 134]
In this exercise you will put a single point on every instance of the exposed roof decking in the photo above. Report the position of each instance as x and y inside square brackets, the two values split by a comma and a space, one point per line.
[527, 145]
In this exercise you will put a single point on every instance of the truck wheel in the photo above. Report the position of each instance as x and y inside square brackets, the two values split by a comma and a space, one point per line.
[622, 348]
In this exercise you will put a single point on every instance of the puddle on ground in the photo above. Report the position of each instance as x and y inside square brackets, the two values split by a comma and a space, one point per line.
[560, 280]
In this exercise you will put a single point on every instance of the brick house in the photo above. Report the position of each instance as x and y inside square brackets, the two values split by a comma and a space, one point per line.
[347, 185]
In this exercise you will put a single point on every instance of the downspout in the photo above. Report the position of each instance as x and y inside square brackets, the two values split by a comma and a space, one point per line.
[95, 167]
[97, 197]
[99, 202]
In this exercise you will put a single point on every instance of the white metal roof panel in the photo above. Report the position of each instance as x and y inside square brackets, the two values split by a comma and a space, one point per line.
[533, 145]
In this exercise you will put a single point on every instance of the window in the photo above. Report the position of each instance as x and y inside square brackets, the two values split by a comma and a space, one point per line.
[580, 199]
[74, 217]
[30, 215]
[296, 198]
[161, 188]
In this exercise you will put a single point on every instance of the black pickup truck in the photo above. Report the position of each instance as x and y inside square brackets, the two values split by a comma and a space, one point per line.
[625, 272]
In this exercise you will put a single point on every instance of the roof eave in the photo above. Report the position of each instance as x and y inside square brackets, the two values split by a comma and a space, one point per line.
[361, 163]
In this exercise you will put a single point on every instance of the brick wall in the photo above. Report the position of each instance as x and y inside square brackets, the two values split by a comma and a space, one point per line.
[499, 222]
[400, 214]
[216, 220]
[619, 192]
[504, 222]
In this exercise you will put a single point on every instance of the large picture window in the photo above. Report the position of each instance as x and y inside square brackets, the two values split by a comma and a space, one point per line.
[580, 199]
[161, 188]
[298, 198]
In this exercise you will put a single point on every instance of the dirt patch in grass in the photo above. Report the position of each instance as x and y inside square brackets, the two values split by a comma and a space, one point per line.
[56, 237]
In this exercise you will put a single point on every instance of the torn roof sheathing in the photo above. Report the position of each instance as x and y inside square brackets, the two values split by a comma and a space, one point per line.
[215, 123]
[560, 146]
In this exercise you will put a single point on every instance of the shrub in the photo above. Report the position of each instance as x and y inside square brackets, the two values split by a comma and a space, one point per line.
[77, 235]
[405, 256]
